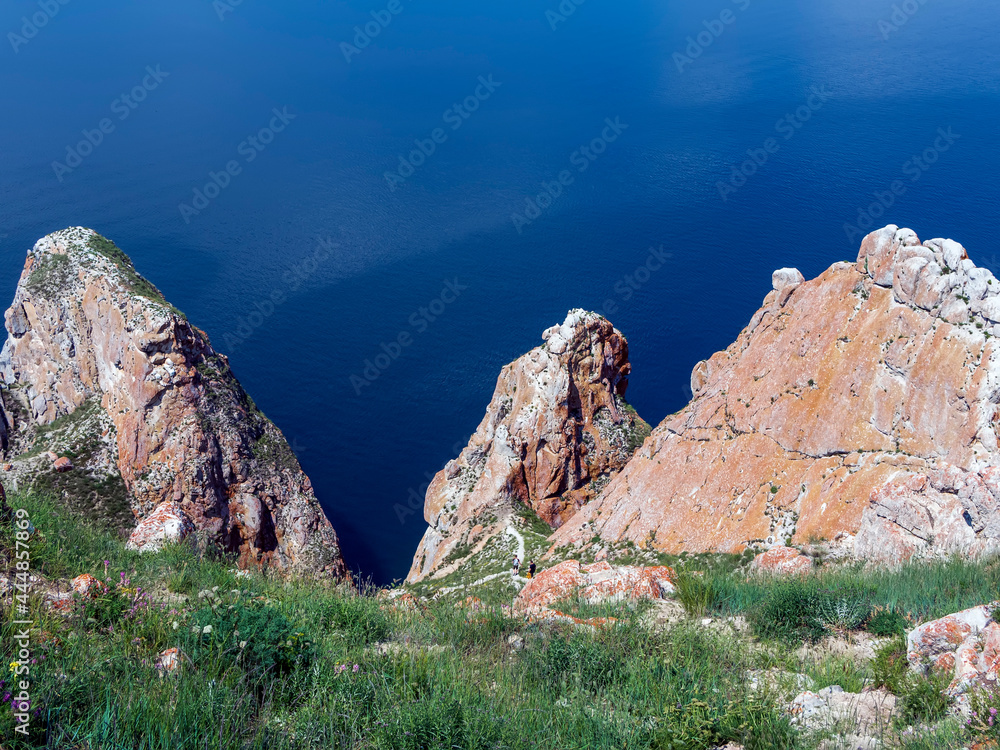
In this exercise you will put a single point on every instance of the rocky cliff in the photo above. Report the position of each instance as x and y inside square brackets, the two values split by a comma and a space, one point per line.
[556, 430]
[99, 367]
[861, 402]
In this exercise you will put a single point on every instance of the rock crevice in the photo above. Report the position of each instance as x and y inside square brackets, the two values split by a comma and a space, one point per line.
[863, 401]
[556, 430]
[192, 449]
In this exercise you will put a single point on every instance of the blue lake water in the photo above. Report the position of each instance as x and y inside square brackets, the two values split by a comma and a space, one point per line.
[835, 100]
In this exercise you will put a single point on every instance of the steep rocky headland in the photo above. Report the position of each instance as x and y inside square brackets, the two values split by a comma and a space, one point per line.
[556, 430]
[115, 402]
[858, 407]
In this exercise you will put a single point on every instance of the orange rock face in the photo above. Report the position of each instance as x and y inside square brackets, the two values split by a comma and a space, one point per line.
[880, 371]
[166, 523]
[555, 432]
[782, 560]
[86, 586]
[84, 327]
[964, 645]
[596, 583]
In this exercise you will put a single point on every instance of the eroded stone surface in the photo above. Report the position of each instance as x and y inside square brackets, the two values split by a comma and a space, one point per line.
[86, 586]
[165, 524]
[85, 327]
[864, 716]
[169, 661]
[880, 371]
[965, 645]
[556, 430]
[595, 583]
[782, 560]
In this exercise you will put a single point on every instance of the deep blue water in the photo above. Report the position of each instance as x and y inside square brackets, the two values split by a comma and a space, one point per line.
[885, 91]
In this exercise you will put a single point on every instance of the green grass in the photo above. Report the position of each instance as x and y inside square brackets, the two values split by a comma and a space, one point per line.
[310, 668]
[137, 284]
[50, 277]
[919, 591]
[282, 663]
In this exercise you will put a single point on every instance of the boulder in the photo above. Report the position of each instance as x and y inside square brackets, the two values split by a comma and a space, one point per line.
[964, 645]
[785, 277]
[863, 716]
[87, 586]
[169, 661]
[62, 464]
[595, 583]
[782, 560]
[167, 523]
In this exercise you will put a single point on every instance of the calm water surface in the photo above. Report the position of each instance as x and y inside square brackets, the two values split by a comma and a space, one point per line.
[833, 100]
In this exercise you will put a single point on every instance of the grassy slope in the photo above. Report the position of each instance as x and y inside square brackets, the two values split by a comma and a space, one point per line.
[447, 679]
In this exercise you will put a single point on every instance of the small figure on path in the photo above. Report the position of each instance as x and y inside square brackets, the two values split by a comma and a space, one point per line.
[531, 569]
[516, 565]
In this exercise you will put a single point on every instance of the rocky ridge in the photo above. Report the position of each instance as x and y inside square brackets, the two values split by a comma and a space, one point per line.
[863, 401]
[556, 430]
[99, 364]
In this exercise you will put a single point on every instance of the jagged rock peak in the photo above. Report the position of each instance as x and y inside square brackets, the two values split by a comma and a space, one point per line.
[862, 402]
[88, 334]
[556, 430]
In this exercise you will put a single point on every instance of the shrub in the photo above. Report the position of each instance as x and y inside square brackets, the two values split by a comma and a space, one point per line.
[787, 612]
[695, 726]
[579, 660]
[923, 698]
[180, 581]
[359, 618]
[885, 621]
[984, 722]
[890, 666]
[258, 636]
[696, 592]
[843, 611]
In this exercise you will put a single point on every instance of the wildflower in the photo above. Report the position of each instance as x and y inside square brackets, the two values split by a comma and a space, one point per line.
[14, 665]
[243, 644]
[206, 630]
[176, 624]
[355, 669]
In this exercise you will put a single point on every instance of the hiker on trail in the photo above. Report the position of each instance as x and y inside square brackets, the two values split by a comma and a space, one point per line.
[531, 569]
[516, 565]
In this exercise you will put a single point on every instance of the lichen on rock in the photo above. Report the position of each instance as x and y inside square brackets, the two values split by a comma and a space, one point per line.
[88, 333]
[862, 402]
[557, 428]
